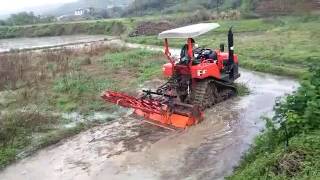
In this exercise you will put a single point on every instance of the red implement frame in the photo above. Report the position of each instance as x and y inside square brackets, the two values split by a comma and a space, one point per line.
[156, 112]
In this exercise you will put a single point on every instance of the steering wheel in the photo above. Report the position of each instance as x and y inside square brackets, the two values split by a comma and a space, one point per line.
[198, 50]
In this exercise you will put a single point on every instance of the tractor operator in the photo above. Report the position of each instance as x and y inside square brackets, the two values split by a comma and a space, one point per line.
[184, 57]
[198, 53]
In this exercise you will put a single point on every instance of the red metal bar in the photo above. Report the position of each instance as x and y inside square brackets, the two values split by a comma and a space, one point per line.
[132, 102]
[167, 52]
[190, 52]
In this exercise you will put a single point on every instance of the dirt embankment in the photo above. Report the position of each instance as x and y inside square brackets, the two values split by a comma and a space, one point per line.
[147, 28]
[151, 28]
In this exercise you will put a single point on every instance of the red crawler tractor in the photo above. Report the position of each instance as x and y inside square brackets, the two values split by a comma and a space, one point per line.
[197, 80]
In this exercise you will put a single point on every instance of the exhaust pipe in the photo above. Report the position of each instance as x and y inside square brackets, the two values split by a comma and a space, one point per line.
[230, 48]
[231, 53]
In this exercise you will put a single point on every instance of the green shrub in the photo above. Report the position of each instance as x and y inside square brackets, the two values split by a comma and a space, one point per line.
[300, 161]
[300, 112]
[7, 155]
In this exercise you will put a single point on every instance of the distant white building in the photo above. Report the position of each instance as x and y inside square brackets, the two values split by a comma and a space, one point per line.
[79, 12]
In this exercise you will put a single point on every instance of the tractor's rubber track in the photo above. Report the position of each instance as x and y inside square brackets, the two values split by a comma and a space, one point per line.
[209, 92]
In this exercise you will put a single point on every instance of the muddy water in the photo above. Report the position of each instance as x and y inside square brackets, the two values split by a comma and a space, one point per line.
[46, 42]
[130, 149]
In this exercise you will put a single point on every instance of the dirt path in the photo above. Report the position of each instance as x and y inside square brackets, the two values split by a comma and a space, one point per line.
[130, 149]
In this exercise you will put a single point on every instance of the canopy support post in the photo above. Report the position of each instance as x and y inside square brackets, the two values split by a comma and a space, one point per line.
[190, 52]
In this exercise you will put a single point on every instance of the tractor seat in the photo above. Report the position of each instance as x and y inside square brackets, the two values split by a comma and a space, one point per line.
[205, 54]
[200, 54]
[209, 54]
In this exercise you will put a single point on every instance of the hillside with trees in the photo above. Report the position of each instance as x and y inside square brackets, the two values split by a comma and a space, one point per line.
[257, 7]
[98, 4]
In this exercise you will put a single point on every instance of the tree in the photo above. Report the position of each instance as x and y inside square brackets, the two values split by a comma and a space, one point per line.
[3, 23]
[22, 18]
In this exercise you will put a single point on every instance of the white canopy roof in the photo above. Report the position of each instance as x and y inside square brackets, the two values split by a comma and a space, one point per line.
[189, 31]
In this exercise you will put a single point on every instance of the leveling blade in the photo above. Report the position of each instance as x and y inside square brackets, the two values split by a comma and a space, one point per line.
[158, 111]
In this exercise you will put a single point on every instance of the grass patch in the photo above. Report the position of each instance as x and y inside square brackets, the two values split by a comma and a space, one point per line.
[16, 129]
[242, 89]
[273, 69]
[78, 83]
[142, 64]
[78, 88]
[129, 58]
